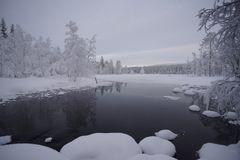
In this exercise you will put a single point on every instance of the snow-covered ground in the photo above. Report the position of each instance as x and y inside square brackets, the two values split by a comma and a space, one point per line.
[10, 88]
[160, 78]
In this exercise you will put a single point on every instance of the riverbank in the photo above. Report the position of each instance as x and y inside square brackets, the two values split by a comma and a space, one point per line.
[11, 88]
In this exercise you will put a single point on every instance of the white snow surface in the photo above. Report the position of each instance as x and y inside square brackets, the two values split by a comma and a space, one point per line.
[166, 134]
[5, 139]
[190, 92]
[174, 98]
[211, 151]
[194, 108]
[151, 157]
[10, 88]
[29, 152]
[211, 114]
[177, 79]
[48, 140]
[230, 115]
[177, 90]
[155, 145]
[101, 146]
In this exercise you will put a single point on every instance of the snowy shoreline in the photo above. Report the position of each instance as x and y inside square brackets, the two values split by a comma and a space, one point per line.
[177, 79]
[11, 88]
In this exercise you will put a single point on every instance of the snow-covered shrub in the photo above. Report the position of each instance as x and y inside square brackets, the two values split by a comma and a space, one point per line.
[224, 96]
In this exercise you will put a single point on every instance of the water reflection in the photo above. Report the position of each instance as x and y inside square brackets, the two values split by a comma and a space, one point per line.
[32, 117]
[116, 86]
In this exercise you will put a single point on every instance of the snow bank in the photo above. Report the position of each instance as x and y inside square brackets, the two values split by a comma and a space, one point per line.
[194, 108]
[177, 90]
[190, 92]
[154, 145]
[211, 114]
[172, 98]
[101, 146]
[166, 134]
[160, 78]
[235, 122]
[230, 115]
[210, 151]
[10, 88]
[151, 157]
[5, 139]
[29, 152]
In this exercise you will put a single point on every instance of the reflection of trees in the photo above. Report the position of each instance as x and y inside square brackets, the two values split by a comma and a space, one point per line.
[109, 89]
[79, 107]
[226, 133]
[31, 117]
[25, 116]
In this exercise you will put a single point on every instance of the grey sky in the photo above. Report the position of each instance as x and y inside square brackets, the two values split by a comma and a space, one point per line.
[137, 32]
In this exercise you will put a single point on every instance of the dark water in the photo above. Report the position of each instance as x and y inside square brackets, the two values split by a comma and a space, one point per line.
[135, 109]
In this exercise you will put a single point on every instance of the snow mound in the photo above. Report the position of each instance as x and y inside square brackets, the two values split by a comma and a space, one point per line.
[236, 122]
[48, 140]
[151, 157]
[101, 146]
[230, 115]
[155, 145]
[211, 114]
[29, 152]
[177, 90]
[5, 139]
[194, 108]
[190, 92]
[211, 151]
[172, 97]
[166, 134]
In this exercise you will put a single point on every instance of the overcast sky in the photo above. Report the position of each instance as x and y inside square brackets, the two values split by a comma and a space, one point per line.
[137, 32]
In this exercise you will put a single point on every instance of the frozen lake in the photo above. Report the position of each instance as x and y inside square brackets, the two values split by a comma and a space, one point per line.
[136, 109]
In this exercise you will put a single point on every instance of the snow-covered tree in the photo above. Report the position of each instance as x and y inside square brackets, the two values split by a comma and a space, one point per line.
[79, 52]
[142, 71]
[224, 17]
[3, 29]
[118, 67]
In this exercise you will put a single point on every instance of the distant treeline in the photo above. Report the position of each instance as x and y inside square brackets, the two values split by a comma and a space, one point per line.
[160, 69]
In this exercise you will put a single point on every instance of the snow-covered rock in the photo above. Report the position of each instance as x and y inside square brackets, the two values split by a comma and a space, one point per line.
[211, 151]
[5, 139]
[211, 114]
[230, 115]
[48, 140]
[155, 145]
[151, 157]
[235, 122]
[194, 108]
[101, 146]
[177, 90]
[172, 97]
[190, 92]
[166, 134]
[29, 152]
[185, 87]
